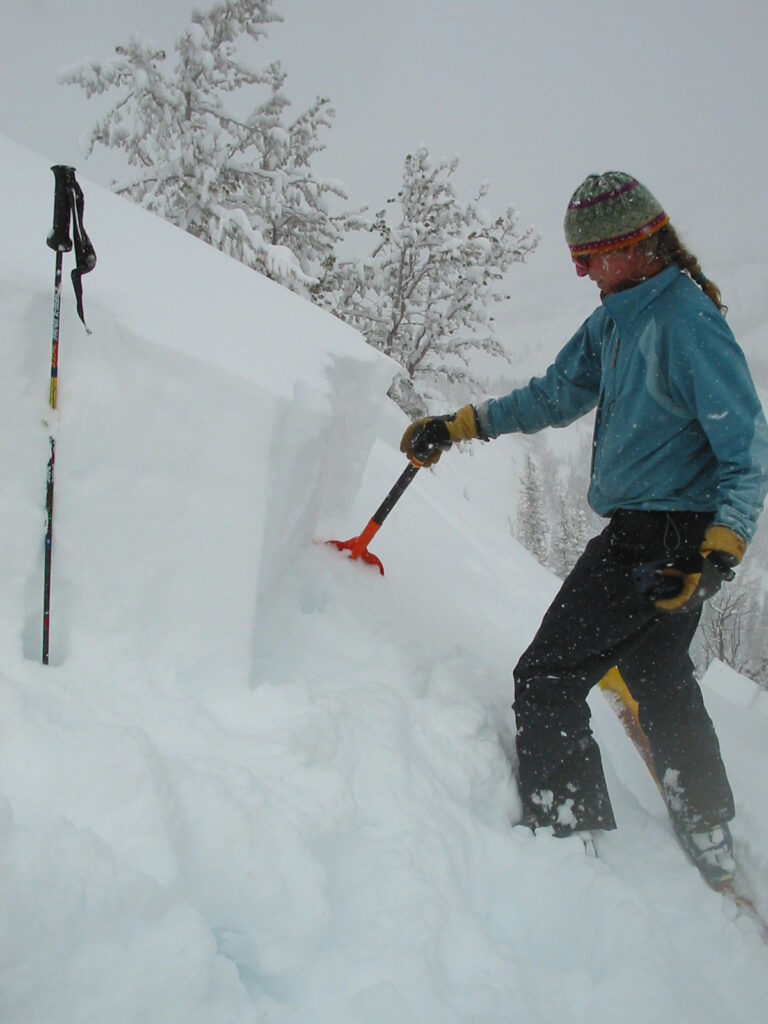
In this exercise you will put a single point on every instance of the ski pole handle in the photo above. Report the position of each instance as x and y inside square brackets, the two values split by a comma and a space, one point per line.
[59, 238]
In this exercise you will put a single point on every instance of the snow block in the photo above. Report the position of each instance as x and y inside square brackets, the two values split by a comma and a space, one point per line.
[202, 381]
[734, 687]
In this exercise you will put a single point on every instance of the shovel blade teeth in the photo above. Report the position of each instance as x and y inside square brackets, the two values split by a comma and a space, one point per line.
[370, 559]
[340, 544]
[353, 546]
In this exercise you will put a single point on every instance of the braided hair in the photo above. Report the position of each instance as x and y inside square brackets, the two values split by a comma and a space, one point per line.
[669, 247]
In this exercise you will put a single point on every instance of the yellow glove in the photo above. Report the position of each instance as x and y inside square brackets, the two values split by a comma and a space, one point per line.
[721, 549]
[721, 540]
[425, 440]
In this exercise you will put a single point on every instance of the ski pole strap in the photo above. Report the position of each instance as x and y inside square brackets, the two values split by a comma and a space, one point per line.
[85, 255]
[68, 210]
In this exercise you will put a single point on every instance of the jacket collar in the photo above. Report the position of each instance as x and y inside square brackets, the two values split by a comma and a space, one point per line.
[627, 304]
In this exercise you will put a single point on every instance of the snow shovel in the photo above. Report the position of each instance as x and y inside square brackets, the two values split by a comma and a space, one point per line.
[358, 546]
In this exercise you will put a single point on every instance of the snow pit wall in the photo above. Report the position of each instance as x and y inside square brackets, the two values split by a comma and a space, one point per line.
[212, 415]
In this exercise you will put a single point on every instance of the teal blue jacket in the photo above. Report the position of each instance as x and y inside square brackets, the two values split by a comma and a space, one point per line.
[679, 425]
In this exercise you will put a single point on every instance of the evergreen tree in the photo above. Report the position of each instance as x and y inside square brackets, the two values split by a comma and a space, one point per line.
[531, 517]
[425, 294]
[242, 182]
[569, 536]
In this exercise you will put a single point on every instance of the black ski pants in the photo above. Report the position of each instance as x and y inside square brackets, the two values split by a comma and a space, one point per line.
[601, 618]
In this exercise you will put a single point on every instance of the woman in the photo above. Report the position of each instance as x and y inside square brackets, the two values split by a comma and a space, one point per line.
[680, 468]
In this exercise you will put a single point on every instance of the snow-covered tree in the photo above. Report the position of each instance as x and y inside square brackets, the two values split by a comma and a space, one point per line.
[568, 537]
[425, 294]
[532, 527]
[730, 629]
[231, 172]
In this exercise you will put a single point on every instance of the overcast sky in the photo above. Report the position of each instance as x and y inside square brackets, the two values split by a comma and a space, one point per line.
[531, 95]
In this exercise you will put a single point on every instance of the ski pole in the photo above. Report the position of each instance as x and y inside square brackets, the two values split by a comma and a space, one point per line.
[68, 206]
[59, 240]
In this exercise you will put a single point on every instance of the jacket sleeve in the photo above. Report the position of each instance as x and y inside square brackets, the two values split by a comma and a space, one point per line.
[567, 390]
[710, 375]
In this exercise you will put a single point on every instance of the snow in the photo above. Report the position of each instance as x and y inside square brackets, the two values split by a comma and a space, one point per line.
[259, 782]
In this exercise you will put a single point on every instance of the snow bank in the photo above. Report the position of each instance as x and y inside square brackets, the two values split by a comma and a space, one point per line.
[735, 688]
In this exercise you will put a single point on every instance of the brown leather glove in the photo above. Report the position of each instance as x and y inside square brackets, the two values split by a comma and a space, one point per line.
[721, 549]
[425, 440]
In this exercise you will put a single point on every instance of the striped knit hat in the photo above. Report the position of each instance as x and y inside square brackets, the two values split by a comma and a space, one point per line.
[609, 211]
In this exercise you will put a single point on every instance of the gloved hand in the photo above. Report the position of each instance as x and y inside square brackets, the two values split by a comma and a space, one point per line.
[721, 550]
[425, 440]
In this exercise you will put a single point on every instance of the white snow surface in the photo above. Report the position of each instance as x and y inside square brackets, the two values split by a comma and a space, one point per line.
[259, 782]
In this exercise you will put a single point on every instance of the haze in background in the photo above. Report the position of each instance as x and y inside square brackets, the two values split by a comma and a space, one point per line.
[531, 96]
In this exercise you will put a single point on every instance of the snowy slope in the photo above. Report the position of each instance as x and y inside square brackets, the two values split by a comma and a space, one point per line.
[259, 782]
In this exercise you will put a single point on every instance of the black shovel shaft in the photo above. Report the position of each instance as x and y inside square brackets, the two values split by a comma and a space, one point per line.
[395, 494]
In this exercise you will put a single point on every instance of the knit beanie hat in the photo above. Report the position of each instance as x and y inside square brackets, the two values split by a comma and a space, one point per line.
[609, 211]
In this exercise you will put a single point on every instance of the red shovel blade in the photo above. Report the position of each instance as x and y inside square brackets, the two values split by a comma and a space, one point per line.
[358, 546]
